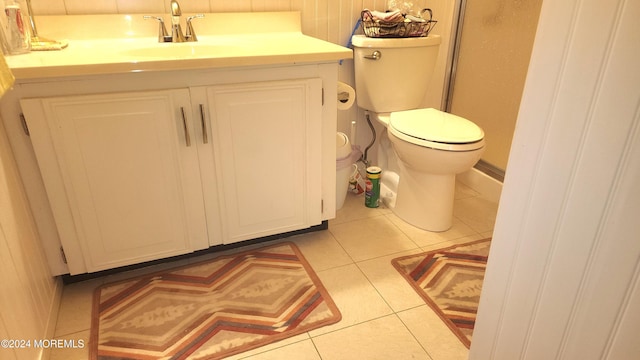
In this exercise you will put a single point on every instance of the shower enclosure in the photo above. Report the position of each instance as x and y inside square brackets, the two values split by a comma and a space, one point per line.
[492, 47]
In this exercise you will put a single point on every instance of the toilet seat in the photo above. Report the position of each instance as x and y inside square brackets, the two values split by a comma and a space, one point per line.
[436, 129]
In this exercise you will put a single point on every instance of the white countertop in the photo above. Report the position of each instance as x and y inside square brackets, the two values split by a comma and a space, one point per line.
[105, 44]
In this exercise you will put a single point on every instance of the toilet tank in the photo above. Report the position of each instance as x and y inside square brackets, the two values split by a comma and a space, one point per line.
[398, 79]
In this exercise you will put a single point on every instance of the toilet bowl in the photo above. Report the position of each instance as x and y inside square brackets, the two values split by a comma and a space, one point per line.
[431, 147]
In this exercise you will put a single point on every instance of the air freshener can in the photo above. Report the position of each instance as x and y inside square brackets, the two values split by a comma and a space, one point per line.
[372, 188]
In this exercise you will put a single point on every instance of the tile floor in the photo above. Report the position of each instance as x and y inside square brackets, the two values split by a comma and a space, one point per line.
[382, 316]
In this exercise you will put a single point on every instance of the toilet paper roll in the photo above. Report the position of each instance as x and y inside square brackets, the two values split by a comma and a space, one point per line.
[346, 96]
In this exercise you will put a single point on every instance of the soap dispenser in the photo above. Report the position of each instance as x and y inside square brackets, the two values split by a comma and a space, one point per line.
[16, 34]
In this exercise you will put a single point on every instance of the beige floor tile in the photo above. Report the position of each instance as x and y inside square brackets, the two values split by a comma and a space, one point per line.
[463, 191]
[354, 209]
[284, 343]
[395, 290]
[433, 334]
[477, 212]
[380, 339]
[321, 250]
[74, 349]
[370, 238]
[302, 350]
[355, 297]
[74, 314]
[427, 238]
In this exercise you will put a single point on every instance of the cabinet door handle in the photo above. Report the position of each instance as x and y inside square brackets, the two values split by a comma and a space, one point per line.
[187, 137]
[205, 137]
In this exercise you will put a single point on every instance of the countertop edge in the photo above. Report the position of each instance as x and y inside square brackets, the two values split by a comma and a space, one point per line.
[49, 72]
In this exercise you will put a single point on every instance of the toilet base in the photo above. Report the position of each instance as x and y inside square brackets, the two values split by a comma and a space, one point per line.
[426, 200]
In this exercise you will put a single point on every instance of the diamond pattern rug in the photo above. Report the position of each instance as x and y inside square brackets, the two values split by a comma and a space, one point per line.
[449, 280]
[211, 309]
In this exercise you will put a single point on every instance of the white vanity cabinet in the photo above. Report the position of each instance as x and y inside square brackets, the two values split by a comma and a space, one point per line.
[139, 176]
[115, 175]
[121, 174]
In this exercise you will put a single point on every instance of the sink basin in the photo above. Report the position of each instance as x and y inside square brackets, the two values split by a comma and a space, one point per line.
[179, 50]
[203, 48]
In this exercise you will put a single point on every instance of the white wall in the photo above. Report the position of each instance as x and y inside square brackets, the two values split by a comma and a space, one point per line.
[29, 295]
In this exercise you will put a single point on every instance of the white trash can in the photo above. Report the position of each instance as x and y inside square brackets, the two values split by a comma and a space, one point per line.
[344, 167]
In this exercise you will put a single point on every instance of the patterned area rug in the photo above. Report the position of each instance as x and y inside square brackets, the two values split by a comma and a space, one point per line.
[450, 281]
[211, 309]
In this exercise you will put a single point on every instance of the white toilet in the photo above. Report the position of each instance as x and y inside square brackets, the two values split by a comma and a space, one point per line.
[429, 147]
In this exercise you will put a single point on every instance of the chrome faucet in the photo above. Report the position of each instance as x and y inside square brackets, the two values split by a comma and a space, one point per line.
[176, 29]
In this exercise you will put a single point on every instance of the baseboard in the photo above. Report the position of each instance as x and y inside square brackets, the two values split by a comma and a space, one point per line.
[489, 187]
[491, 170]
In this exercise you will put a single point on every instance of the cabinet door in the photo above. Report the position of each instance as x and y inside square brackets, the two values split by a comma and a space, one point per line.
[121, 174]
[267, 150]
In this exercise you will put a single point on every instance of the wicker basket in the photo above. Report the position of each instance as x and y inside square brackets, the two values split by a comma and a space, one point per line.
[407, 28]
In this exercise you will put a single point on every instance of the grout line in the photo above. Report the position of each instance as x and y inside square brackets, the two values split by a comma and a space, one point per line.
[69, 335]
[414, 335]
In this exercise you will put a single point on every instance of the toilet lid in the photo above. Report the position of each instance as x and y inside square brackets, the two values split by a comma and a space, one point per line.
[435, 126]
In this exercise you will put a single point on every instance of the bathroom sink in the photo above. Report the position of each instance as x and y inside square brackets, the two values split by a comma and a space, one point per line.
[179, 50]
[206, 47]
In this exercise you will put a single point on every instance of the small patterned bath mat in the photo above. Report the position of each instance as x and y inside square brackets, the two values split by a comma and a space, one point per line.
[449, 280]
[211, 309]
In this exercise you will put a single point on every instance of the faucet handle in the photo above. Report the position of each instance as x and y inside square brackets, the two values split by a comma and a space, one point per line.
[163, 36]
[190, 34]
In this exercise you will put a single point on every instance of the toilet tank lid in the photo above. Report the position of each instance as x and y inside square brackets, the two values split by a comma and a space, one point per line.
[435, 125]
[363, 41]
